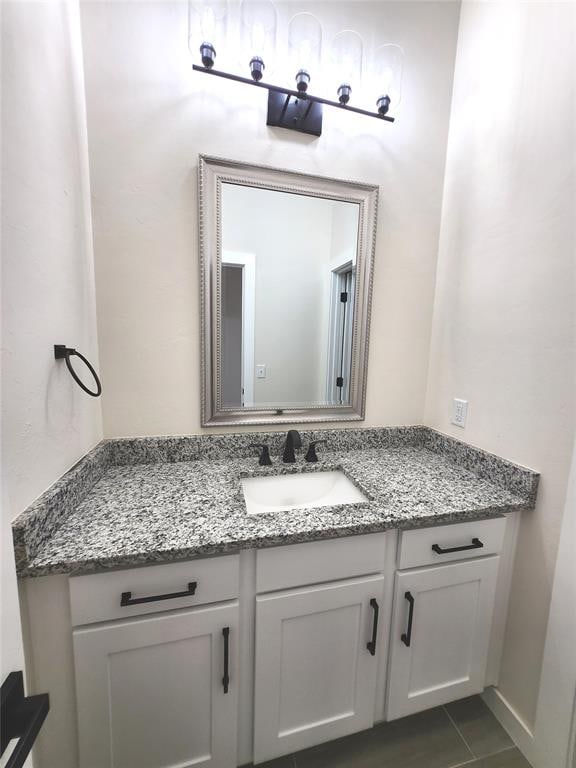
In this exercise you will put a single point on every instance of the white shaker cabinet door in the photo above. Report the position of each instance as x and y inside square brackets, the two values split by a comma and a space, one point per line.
[152, 691]
[440, 634]
[316, 664]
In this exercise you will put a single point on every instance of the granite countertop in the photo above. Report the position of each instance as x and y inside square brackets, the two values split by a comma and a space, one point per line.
[160, 511]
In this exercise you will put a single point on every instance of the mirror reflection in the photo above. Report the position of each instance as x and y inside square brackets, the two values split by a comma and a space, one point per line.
[287, 298]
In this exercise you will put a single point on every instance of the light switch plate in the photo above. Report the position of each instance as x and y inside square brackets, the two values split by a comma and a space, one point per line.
[260, 371]
[459, 412]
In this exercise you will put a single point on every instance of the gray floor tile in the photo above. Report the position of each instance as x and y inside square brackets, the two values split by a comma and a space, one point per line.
[478, 726]
[359, 750]
[281, 762]
[426, 740]
[509, 758]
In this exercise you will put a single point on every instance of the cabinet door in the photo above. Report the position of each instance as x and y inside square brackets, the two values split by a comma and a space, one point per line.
[315, 669]
[151, 691]
[440, 634]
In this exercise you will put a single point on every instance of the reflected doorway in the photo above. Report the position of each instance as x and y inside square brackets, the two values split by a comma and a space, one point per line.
[238, 307]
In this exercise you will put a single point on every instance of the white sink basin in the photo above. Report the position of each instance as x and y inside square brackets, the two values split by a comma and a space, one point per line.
[280, 493]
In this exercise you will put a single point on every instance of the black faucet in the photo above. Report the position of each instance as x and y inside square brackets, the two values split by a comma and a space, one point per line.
[264, 459]
[311, 455]
[293, 440]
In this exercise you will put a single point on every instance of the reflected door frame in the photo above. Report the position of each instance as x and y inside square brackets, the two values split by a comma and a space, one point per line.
[342, 279]
[247, 263]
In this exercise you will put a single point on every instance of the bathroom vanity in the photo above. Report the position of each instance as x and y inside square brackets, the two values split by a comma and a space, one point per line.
[173, 628]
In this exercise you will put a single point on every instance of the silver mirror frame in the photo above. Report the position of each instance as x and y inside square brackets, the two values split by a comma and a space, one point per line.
[212, 173]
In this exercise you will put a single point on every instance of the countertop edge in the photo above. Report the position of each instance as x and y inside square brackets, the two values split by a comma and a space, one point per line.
[91, 567]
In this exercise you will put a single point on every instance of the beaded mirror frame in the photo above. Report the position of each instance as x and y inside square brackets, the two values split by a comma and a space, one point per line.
[212, 173]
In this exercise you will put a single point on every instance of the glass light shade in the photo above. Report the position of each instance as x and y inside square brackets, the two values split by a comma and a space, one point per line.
[347, 53]
[206, 23]
[304, 43]
[387, 73]
[259, 23]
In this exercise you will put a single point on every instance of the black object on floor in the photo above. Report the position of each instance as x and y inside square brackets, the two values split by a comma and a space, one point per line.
[22, 718]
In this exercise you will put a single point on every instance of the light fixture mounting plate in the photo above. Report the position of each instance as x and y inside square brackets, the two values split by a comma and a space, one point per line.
[297, 113]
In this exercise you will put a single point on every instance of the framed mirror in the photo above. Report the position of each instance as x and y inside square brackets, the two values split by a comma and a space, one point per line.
[286, 283]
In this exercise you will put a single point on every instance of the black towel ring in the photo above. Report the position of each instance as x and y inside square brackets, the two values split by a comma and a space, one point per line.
[62, 351]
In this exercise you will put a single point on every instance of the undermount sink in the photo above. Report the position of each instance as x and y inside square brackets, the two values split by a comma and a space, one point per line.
[281, 493]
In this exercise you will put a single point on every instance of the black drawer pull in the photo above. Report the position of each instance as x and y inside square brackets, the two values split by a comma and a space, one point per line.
[371, 645]
[406, 637]
[476, 544]
[127, 598]
[226, 678]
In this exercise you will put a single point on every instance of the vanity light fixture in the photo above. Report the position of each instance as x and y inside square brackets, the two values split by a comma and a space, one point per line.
[295, 108]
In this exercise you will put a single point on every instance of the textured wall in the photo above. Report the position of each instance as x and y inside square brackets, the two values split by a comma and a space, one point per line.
[503, 331]
[47, 268]
[149, 117]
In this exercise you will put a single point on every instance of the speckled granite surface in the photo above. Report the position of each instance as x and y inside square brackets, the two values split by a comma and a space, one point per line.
[149, 500]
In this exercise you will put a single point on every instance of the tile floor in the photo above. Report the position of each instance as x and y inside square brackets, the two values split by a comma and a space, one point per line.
[464, 733]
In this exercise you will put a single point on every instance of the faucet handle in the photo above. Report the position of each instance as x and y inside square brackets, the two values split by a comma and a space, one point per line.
[296, 438]
[293, 440]
[264, 460]
[311, 454]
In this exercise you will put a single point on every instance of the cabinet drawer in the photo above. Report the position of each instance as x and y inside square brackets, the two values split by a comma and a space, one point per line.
[444, 543]
[154, 588]
[319, 561]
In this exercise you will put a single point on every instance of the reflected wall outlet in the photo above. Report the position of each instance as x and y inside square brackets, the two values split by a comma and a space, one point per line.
[459, 412]
[260, 371]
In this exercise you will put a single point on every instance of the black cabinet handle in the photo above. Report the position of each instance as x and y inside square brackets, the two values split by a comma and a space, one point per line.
[476, 544]
[406, 637]
[372, 644]
[127, 598]
[226, 678]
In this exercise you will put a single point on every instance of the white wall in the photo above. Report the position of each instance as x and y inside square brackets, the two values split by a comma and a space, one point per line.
[556, 712]
[149, 117]
[47, 269]
[503, 330]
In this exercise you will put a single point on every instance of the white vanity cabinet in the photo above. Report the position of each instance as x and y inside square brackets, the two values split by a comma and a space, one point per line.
[151, 691]
[317, 646]
[158, 690]
[442, 616]
[316, 657]
[315, 637]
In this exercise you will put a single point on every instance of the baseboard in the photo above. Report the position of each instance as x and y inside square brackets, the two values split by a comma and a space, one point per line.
[511, 721]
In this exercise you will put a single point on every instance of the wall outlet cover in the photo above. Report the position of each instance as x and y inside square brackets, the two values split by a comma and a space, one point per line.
[459, 412]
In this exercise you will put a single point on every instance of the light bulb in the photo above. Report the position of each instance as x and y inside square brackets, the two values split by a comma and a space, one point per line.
[304, 47]
[387, 76]
[346, 64]
[259, 23]
[206, 28]
[208, 23]
[258, 37]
